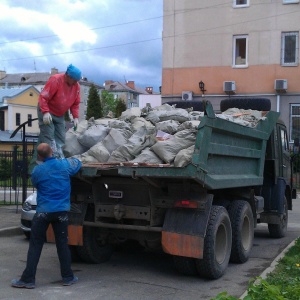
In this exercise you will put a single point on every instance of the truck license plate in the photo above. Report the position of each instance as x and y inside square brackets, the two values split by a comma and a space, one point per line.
[115, 194]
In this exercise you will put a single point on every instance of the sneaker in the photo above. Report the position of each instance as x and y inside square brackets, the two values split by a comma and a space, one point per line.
[70, 282]
[21, 284]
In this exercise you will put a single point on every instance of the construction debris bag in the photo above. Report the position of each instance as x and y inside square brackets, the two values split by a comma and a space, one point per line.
[147, 156]
[130, 114]
[168, 149]
[72, 146]
[93, 135]
[136, 143]
[116, 138]
[184, 157]
[99, 152]
[169, 126]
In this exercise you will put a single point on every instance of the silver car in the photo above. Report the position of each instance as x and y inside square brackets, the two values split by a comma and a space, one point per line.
[28, 211]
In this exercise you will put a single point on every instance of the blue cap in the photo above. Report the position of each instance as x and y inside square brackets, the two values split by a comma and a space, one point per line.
[74, 72]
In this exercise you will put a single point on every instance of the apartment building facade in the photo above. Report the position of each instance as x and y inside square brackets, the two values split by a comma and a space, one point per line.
[235, 48]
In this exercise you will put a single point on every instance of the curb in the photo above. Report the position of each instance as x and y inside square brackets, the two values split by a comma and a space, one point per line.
[272, 266]
[9, 231]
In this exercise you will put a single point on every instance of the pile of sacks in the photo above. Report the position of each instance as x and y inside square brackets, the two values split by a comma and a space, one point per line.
[162, 135]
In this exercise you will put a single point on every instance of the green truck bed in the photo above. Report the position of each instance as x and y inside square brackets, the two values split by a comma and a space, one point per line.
[226, 155]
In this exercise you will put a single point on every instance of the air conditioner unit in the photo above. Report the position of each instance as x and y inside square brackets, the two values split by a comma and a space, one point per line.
[280, 84]
[187, 95]
[229, 86]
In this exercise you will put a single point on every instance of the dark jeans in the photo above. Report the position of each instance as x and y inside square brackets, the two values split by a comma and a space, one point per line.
[40, 223]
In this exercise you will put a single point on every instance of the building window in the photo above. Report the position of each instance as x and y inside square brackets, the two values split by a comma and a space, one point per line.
[295, 122]
[241, 3]
[290, 1]
[18, 119]
[29, 118]
[289, 48]
[240, 51]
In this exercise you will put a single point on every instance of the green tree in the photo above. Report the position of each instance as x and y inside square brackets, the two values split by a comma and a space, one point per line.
[94, 107]
[120, 107]
[108, 103]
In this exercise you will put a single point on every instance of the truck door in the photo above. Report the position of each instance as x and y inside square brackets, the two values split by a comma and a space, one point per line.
[284, 154]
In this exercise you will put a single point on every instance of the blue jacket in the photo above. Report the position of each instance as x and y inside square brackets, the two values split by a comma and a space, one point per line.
[52, 181]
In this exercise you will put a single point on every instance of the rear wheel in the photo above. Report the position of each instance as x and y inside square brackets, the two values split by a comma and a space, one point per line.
[95, 249]
[185, 265]
[279, 230]
[242, 224]
[217, 245]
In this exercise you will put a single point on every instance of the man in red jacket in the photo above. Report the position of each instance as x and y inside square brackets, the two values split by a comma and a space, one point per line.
[61, 93]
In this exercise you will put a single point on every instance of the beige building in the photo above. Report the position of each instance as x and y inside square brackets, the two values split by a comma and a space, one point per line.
[237, 48]
[18, 105]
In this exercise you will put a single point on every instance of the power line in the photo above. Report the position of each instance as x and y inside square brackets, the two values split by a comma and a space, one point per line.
[84, 50]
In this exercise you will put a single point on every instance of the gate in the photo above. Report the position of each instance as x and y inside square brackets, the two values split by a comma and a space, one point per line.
[14, 178]
[11, 176]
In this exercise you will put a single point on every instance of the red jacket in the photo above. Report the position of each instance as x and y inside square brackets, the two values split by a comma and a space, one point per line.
[57, 97]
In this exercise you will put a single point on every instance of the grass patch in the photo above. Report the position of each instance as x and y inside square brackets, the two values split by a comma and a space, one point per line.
[282, 284]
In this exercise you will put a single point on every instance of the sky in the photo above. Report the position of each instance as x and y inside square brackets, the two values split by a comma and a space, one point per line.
[118, 40]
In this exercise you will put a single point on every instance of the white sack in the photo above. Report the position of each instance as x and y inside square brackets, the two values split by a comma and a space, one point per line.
[167, 150]
[116, 138]
[72, 146]
[147, 156]
[93, 135]
[99, 152]
[184, 157]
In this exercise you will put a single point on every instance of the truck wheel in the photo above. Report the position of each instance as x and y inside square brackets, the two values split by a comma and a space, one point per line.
[94, 250]
[279, 230]
[263, 104]
[217, 245]
[242, 224]
[185, 265]
[74, 254]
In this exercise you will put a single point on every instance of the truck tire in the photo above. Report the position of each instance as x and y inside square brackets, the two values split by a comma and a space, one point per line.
[94, 249]
[196, 105]
[262, 104]
[279, 230]
[242, 225]
[74, 254]
[217, 245]
[185, 265]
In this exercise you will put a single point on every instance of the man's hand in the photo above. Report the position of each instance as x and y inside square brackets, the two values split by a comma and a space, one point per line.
[47, 119]
[75, 123]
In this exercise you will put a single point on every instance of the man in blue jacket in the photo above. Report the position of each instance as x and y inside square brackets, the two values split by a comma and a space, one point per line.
[52, 181]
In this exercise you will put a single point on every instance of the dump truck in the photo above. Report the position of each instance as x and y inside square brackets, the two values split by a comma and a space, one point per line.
[203, 214]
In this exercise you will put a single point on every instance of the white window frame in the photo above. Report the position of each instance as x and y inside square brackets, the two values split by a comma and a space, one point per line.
[292, 117]
[235, 5]
[283, 35]
[234, 56]
[290, 1]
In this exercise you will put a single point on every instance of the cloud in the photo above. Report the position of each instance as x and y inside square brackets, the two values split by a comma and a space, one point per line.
[113, 39]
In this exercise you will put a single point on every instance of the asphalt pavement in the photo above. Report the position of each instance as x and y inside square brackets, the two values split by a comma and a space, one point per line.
[10, 220]
[10, 216]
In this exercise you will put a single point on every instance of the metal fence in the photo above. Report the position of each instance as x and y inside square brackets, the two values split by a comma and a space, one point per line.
[12, 176]
[295, 159]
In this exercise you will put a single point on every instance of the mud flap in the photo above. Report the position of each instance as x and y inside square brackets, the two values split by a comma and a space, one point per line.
[184, 231]
[74, 235]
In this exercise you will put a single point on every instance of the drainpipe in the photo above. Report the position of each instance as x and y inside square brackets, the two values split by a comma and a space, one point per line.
[278, 103]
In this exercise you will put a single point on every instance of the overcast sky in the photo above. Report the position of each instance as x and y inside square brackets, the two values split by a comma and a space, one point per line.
[106, 39]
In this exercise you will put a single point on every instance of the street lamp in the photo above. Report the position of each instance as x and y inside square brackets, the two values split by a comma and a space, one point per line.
[202, 87]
